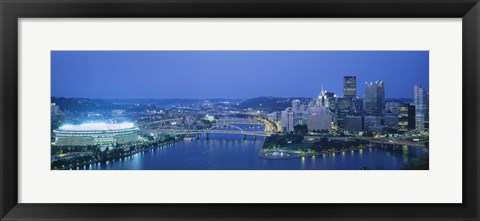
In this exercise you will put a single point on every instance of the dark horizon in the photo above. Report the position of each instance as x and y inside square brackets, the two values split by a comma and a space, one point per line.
[232, 74]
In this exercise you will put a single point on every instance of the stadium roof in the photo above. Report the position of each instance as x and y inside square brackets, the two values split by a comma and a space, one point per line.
[96, 126]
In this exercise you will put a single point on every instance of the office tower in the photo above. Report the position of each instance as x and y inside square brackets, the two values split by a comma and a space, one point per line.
[353, 123]
[391, 121]
[303, 108]
[350, 90]
[325, 98]
[419, 100]
[406, 117]
[295, 105]
[350, 87]
[427, 113]
[344, 108]
[392, 107]
[374, 98]
[373, 124]
[319, 119]
[298, 119]
[287, 120]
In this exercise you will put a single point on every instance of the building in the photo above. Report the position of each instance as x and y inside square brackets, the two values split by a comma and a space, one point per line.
[353, 123]
[427, 114]
[189, 120]
[326, 99]
[274, 117]
[371, 121]
[286, 121]
[209, 117]
[303, 108]
[391, 121]
[298, 119]
[344, 108]
[406, 117]
[392, 107]
[419, 100]
[350, 90]
[374, 98]
[296, 106]
[319, 119]
[102, 134]
[350, 87]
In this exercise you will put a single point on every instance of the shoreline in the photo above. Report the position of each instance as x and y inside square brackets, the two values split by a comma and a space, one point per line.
[292, 154]
[72, 166]
[298, 155]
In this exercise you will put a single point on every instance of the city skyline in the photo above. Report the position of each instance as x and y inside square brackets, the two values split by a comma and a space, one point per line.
[293, 110]
[143, 74]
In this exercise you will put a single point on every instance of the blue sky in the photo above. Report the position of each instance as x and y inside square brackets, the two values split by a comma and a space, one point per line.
[232, 74]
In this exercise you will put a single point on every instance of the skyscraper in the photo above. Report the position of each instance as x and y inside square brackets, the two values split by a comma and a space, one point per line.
[295, 105]
[326, 98]
[350, 90]
[374, 98]
[419, 100]
[391, 121]
[353, 123]
[319, 119]
[350, 86]
[287, 120]
[406, 117]
[427, 114]
[344, 108]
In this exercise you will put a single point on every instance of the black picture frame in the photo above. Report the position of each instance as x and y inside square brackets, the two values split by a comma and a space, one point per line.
[12, 10]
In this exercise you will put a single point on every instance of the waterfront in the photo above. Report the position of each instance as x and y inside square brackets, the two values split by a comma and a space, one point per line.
[231, 152]
[291, 110]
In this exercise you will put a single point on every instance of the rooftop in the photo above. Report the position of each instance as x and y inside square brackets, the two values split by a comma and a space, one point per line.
[96, 126]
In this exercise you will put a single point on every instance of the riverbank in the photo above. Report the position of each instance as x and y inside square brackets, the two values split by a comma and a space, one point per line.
[285, 154]
[107, 159]
[237, 154]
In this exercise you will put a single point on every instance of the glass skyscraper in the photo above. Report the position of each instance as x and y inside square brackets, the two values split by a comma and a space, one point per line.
[344, 108]
[406, 117]
[419, 100]
[374, 98]
[350, 86]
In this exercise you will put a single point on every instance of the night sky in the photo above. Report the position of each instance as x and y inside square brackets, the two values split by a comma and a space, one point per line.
[232, 74]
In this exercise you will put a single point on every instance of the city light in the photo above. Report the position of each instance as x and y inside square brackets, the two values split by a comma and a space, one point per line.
[96, 126]
[289, 120]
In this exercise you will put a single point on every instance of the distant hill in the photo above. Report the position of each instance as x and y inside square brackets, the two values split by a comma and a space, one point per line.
[269, 103]
[86, 104]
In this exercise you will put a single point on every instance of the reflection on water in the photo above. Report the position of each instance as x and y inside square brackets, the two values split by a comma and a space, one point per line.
[232, 152]
[238, 154]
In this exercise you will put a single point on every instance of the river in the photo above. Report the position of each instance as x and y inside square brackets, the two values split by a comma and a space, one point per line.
[231, 152]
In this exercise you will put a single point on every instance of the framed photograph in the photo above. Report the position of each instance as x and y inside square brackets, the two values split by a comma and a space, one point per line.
[239, 110]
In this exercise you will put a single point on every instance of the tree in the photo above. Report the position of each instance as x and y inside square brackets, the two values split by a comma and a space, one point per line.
[300, 129]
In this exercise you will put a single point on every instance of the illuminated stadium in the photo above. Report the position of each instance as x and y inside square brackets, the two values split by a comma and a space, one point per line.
[103, 134]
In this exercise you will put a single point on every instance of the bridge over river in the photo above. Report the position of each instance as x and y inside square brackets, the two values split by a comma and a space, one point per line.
[223, 127]
[391, 141]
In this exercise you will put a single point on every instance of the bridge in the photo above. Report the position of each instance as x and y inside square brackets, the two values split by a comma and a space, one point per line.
[218, 129]
[207, 131]
[222, 126]
[386, 141]
[246, 121]
[269, 126]
[158, 121]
